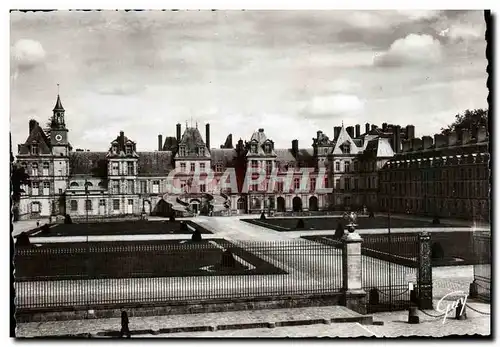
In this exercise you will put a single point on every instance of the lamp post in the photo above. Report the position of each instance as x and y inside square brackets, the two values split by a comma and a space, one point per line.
[389, 239]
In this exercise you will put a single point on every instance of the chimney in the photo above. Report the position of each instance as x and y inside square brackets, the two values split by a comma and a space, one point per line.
[439, 140]
[416, 144]
[295, 147]
[207, 135]
[367, 128]
[33, 124]
[410, 132]
[122, 141]
[261, 130]
[406, 144]
[318, 133]
[465, 136]
[427, 142]
[350, 131]
[336, 132]
[178, 133]
[358, 130]
[384, 127]
[160, 142]
[481, 134]
[452, 138]
[397, 139]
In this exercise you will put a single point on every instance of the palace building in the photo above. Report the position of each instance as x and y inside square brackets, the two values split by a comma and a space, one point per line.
[121, 181]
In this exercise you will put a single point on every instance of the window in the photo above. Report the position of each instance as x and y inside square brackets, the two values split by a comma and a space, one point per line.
[183, 185]
[46, 188]
[326, 181]
[267, 148]
[143, 186]
[296, 183]
[130, 186]
[356, 184]
[88, 205]
[114, 168]
[269, 167]
[130, 168]
[114, 149]
[255, 187]
[73, 185]
[60, 191]
[255, 164]
[337, 183]
[116, 204]
[240, 204]
[347, 166]
[156, 186]
[34, 149]
[183, 167]
[35, 207]
[128, 149]
[346, 148]
[202, 167]
[34, 169]
[356, 166]
[279, 186]
[74, 205]
[313, 183]
[337, 166]
[45, 171]
[202, 151]
[192, 167]
[347, 183]
[35, 186]
[203, 188]
[218, 168]
[102, 202]
[115, 187]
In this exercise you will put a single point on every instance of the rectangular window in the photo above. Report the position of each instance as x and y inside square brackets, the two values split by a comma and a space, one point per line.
[326, 182]
[183, 167]
[279, 186]
[114, 168]
[356, 166]
[116, 204]
[255, 164]
[74, 205]
[144, 187]
[192, 167]
[255, 187]
[102, 202]
[45, 171]
[88, 205]
[130, 168]
[35, 207]
[60, 190]
[356, 184]
[347, 183]
[337, 183]
[156, 186]
[35, 186]
[203, 188]
[313, 184]
[296, 183]
[128, 149]
[34, 169]
[116, 187]
[218, 168]
[34, 149]
[269, 167]
[46, 188]
[202, 167]
[337, 166]
[347, 166]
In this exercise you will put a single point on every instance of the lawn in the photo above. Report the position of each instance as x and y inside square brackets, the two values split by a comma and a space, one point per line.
[119, 228]
[457, 247]
[165, 258]
[290, 224]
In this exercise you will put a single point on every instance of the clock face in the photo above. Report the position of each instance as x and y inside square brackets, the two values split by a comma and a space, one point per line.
[58, 137]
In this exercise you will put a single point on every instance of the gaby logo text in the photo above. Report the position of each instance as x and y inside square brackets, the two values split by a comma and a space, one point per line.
[451, 306]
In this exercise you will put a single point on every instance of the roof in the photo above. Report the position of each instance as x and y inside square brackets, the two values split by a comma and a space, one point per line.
[224, 156]
[87, 163]
[170, 144]
[379, 147]
[192, 140]
[37, 135]
[304, 157]
[154, 163]
[58, 106]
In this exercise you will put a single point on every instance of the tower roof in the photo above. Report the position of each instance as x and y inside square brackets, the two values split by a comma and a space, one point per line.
[58, 106]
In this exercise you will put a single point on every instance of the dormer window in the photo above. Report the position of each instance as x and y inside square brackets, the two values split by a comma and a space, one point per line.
[182, 151]
[267, 148]
[345, 148]
[114, 149]
[254, 148]
[128, 149]
[202, 151]
[34, 149]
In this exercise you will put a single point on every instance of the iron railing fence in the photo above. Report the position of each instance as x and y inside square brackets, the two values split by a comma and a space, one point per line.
[482, 265]
[91, 274]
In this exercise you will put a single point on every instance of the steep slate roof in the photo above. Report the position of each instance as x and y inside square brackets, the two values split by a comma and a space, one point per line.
[170, 144]
[154, 163]
[304, 157]
[36, 135]
[192, 140]
[224, 156]
[86, 163]
[379, 147]
[58, 106]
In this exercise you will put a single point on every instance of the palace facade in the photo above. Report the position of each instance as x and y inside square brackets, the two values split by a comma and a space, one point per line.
[122, 181]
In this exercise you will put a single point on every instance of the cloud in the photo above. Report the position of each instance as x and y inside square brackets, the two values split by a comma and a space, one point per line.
[462, 32]
[27, 54]
[122, 89]
[414, 49]
[337, 104]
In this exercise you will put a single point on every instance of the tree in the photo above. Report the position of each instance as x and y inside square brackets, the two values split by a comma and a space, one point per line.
[467, 120]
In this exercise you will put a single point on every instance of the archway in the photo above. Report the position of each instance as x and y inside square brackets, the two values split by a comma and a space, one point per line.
[297, 204]
[146, 205]
[313, 203]
[281, 204]
[241, 205]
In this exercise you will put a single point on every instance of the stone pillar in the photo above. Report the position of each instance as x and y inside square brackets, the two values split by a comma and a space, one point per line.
[424, 271]
[354, 297]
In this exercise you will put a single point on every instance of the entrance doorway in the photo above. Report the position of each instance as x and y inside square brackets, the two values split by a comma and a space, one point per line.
[130, 206]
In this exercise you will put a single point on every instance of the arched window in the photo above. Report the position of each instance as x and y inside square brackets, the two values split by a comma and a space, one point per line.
[240, 205]
[88, 184]
[74, 205]
[74, 184]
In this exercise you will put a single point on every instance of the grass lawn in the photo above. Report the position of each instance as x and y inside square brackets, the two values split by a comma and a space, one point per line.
[290, 224]
[457, 246]
[119, 228]
[165, 258]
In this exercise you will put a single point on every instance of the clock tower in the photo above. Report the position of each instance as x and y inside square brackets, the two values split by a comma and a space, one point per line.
[58, 130]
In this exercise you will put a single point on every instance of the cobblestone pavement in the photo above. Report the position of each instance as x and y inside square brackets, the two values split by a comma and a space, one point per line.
[25, 225]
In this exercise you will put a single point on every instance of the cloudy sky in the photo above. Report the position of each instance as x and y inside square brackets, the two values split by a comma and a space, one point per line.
[289, 72]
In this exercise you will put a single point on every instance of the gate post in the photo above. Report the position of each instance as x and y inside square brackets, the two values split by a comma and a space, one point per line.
[424, 271]
[354, 297]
